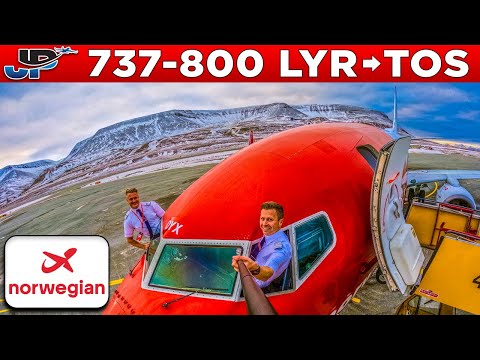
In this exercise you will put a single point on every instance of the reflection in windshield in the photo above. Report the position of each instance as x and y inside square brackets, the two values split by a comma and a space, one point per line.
[198, 268]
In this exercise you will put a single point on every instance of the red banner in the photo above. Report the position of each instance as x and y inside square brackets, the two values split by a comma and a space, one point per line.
[240, 63]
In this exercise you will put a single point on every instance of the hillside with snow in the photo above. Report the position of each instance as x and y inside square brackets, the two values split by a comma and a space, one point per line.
[167, 138]
[15, 179]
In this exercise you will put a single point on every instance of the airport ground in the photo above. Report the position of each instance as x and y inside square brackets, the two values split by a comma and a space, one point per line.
[100, 209]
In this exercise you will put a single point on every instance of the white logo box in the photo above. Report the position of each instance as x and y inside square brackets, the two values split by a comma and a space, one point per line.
[56, 271]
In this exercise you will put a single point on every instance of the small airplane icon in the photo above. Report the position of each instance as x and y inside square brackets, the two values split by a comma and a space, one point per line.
[59, 261]
[65, 50]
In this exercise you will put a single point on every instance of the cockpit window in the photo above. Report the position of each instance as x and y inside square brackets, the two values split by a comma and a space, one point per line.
[314, 239]
[370, 154]
[202, 269]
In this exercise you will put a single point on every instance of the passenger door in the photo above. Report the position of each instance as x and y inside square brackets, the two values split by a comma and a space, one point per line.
[398, 250]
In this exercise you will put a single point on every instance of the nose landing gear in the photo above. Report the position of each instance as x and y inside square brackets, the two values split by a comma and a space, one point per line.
[380, 277]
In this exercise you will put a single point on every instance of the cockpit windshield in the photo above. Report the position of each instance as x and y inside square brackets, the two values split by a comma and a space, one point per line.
[193, 267]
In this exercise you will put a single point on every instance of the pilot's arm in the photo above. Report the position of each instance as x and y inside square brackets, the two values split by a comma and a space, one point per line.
[136, 243]
[260, 272]
[128, 231]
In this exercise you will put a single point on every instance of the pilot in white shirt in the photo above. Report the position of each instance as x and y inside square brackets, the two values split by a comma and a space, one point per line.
[143, 218]
[275, 253]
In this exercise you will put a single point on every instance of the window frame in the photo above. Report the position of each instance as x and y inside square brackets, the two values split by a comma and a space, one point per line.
[299, 281]
[148, 271]
[371, 150]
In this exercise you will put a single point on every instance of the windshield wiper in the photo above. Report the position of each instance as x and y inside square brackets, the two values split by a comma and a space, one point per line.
[165, 304]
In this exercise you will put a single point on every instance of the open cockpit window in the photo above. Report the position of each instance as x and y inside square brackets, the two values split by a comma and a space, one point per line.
[314, 239]
[151, 251]
[195, 267]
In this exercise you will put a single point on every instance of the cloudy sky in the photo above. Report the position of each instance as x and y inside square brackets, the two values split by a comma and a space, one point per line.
[45, 120]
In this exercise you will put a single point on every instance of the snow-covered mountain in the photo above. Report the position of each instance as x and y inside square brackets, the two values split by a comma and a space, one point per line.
[167, 136]
[144, 129]
[15, 179]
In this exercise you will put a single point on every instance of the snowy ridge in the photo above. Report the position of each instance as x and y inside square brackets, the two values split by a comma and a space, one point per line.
[168, 136]
[15, 179]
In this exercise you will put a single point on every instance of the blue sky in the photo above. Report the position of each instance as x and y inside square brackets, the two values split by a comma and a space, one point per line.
[45, 120]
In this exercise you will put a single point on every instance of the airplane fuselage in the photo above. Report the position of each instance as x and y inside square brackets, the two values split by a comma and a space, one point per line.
[320, 171]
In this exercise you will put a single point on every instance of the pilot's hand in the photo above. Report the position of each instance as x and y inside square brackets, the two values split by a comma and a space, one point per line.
[249, 263]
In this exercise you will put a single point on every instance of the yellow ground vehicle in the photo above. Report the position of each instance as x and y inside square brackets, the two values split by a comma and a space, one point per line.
[431, 220]
[450, 281]
[432, 254]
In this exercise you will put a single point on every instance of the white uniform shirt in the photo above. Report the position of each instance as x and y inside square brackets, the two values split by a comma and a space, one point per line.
[134, 222]
[276, 254]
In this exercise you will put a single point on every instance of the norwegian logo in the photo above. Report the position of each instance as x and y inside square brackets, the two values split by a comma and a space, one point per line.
[56, 272]
[59, 261]
[36, 60]
[429, 292]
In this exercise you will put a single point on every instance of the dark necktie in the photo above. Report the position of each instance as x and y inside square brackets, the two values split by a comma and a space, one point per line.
[146, 223]
[257, 247]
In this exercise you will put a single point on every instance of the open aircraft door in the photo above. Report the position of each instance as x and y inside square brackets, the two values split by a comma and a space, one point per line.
[398, 249]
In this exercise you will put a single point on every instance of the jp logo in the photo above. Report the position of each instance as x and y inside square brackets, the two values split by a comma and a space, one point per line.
[36, 60]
